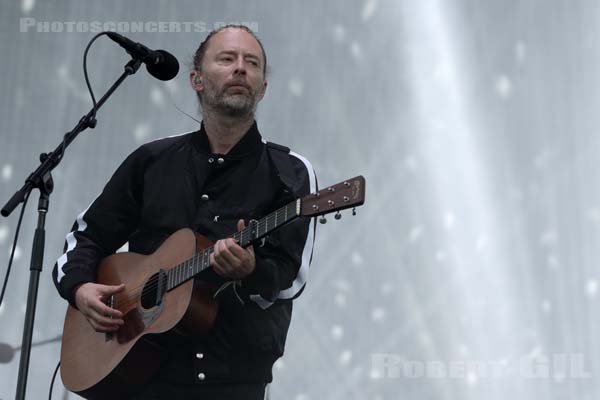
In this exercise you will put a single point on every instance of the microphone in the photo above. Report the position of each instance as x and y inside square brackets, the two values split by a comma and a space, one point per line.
[159, 63]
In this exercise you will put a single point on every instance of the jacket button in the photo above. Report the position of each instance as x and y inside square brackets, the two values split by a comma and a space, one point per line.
[204, 197]
[199, 356]
[201, 376]
[220, 160]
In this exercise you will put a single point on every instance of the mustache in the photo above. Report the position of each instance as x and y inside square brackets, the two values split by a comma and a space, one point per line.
[238, 83]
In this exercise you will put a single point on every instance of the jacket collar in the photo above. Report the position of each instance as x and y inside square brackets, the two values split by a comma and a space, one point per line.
[250, 143]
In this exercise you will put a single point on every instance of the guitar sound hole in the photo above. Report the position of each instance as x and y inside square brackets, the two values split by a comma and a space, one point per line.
[152, 293]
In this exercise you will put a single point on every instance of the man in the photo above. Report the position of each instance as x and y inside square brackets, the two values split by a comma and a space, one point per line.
[210, 181]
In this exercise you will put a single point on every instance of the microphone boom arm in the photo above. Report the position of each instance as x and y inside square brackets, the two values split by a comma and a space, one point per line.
[50, 160]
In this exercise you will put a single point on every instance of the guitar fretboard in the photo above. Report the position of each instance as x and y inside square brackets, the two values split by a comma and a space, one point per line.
[254, 231]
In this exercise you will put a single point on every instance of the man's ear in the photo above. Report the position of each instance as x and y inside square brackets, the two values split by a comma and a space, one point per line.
[196, 81]
[263, 90]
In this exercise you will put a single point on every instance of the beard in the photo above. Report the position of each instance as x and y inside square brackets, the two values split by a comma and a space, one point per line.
[229, 104]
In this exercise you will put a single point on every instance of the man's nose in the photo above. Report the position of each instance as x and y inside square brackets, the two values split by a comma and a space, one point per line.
[240, 66]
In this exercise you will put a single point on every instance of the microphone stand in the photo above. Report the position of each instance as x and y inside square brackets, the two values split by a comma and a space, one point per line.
[41, 179]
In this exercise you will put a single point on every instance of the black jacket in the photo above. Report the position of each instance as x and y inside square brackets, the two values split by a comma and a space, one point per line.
[174, 183]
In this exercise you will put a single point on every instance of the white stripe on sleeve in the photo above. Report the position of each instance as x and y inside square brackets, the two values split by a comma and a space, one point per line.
[302, 276]
[71, 243]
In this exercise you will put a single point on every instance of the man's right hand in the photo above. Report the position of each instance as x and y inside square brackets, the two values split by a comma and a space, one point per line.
[90, 297]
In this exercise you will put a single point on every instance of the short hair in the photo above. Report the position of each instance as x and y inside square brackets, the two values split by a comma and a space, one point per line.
[201, 51]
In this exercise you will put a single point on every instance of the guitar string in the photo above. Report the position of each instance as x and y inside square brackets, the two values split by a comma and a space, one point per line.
[125, 299]
[132, 296]
[134, 293]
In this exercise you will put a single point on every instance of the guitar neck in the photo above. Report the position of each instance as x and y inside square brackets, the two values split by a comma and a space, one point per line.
[255, 230]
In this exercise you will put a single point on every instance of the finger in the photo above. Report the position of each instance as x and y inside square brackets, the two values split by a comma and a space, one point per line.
[109, 290]
[220, 247]
[226, 255]
[239, 252]
[218, 268]
[241, 225]
[103, 329]
[99, 327]
[99, 315]
[215, 264]
[106, 322]
[216, 248]
[103, 309]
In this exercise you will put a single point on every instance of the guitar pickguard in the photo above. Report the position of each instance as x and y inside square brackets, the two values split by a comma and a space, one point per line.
[136, 320]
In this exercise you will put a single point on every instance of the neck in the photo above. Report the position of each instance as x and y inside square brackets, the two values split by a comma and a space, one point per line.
[224, 132]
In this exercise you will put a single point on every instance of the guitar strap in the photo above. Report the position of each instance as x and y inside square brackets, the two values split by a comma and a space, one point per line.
[280, 157]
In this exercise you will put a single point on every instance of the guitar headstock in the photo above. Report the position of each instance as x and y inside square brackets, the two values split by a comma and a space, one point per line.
[343, 195]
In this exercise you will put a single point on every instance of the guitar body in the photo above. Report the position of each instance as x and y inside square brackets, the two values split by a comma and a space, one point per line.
[100, 366]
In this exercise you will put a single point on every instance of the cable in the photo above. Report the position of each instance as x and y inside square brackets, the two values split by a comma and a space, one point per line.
[14, 247]
[52, 382]
[92, 121]
[172, 98]
[85, 72]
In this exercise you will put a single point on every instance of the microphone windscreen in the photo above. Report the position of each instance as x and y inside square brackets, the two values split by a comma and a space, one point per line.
[165, 70]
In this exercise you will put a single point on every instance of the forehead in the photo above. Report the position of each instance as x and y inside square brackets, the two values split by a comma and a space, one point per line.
[233, 39]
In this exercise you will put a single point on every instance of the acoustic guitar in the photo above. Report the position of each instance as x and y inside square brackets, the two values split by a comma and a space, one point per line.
[160, 295]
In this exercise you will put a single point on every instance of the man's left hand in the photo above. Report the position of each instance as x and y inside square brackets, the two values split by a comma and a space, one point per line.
[230, 260]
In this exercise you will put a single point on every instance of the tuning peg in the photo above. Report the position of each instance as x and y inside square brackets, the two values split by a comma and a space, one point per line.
[323, 220]
[354, 211]
[338, 215]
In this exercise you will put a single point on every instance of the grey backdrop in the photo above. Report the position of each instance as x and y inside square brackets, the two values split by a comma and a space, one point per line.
[472, 270]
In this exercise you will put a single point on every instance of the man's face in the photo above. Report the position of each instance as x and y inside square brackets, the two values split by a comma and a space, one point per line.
[232, 78]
